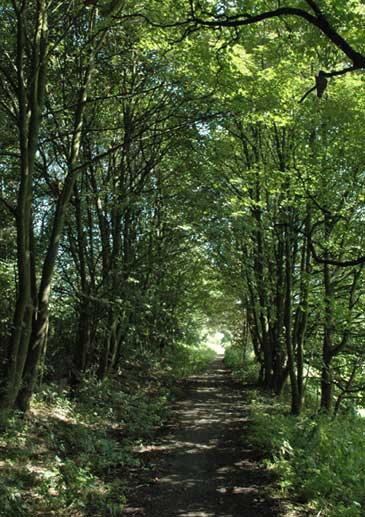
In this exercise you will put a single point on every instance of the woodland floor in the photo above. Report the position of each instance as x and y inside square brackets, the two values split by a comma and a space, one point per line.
[200, 464]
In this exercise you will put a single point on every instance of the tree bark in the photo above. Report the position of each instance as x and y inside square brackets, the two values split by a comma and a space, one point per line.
[326, 374]
[30, 92]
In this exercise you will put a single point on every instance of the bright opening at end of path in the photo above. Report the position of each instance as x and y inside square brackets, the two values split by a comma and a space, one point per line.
[214, 341]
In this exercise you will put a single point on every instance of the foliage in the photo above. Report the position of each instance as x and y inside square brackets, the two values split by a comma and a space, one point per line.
[244, 366]
[159, 176]
[183, 360]
[74, 453]
[320, 460]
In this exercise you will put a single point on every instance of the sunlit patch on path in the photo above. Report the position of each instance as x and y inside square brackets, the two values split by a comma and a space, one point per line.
[201, 467]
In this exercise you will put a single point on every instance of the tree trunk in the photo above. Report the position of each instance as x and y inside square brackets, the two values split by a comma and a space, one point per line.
[326, 375]
[40, 323]
[295, 397]
[37, 343]
[30, 91]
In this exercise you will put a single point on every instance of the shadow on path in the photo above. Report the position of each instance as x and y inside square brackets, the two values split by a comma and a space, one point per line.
[201, 467]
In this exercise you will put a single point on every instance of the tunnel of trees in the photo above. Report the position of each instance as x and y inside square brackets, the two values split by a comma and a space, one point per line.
[168, 165]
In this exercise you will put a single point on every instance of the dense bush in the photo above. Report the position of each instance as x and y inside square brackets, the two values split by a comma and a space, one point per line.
[320, 460]
[183, 360]
[244, 367]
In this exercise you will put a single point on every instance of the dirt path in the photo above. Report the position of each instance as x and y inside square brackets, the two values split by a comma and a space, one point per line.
[201, 466]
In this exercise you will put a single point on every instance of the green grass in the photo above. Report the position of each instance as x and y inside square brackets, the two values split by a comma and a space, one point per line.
[244, 368]
[183, 360]
[72, 454]
[320, 460]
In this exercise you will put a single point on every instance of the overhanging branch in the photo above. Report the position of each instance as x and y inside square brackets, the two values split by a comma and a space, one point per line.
[334, 262]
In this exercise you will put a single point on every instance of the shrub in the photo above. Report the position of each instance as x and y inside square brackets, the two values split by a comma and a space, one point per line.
[319, 459]
[244, 367]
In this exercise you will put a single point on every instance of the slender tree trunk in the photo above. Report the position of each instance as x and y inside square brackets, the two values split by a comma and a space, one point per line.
[326, 375]
[30, 99]
[82, 350]
[295, 397]
[259, 276]
[84, 325]
[301, 317]
[40, 322]
[280, 370]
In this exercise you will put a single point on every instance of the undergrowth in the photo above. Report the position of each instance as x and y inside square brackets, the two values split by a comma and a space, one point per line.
[320, 460]
[243, 368]
[72, 454]
[185, 360]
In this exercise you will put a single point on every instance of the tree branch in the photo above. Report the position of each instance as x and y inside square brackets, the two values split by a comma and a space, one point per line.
[319, 21]
[333, 262]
